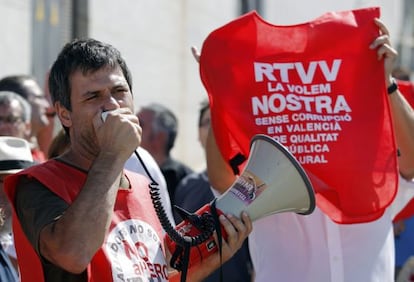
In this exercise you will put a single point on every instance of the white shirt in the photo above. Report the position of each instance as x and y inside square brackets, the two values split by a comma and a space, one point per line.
[133, 164]
[289, 247]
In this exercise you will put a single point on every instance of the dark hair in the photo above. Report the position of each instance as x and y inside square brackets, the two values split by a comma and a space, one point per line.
[165, 121]
[204, 106]
[85, 55]
[15, 83]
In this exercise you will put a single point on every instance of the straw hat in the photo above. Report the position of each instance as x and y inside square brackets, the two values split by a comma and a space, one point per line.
[15, 155]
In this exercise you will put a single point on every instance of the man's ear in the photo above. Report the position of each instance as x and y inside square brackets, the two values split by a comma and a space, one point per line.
[64, 115]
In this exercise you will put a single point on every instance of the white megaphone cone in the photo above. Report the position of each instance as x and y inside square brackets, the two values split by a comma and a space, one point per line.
[273, 181]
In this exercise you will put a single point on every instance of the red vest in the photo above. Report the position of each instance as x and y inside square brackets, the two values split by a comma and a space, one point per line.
[319, 90]
[133, 247]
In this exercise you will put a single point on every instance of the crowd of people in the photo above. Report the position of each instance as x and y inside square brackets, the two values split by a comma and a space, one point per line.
[75, 205]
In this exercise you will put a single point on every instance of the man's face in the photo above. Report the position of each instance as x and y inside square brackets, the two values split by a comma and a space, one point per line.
[12, 122]
[40, 105]
[91, 94]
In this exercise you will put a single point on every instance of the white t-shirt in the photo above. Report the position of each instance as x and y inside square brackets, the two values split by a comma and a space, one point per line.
[289, 247]
[133, 164]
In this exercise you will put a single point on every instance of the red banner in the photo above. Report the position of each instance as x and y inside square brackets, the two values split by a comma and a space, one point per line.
[319, 90]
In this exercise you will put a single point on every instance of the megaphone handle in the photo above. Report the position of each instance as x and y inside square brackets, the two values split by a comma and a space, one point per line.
[199, 251]
[186, 243]
[215, 213]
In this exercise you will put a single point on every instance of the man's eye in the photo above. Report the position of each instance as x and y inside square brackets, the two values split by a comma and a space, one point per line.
[121, 89]
[91, 95]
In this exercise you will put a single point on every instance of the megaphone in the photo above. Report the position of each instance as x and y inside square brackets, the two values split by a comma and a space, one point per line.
[273, 181]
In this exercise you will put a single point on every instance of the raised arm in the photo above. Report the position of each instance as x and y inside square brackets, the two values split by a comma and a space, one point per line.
[219, 172]
[73, 239]
[402, 112]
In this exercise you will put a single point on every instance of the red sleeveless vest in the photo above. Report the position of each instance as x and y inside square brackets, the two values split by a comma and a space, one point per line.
[133, 248]
[319, 90]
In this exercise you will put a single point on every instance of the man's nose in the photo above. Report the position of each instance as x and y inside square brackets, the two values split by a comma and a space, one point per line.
[111, 104]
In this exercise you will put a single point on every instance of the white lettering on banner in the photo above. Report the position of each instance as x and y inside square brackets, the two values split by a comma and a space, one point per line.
[314, 137]
[310, 89]
[313, 148]
[301, 107]
[314, 126]
[300, 89]
[315, 159]
[279, 138]
[279, 119]
[282, 71]
[314, 117]
[277, 103]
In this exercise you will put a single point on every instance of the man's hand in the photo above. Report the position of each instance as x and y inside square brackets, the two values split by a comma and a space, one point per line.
[120, 133]
[237, 231]
[384, 50]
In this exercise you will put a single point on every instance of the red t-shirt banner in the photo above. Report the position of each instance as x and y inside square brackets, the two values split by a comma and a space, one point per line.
[319, 90]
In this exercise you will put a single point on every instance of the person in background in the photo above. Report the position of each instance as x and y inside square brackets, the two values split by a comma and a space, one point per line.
[15, 155]
[15, 114]
[43, 114]
[159, 130]
[403, 229]
[14, 122]
[81, 216]
[194, 191]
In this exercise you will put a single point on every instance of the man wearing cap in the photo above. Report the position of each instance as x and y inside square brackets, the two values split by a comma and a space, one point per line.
[42, 111]
[15, 155]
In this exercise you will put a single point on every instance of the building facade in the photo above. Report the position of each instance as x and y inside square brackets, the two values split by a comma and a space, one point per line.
[155, 38]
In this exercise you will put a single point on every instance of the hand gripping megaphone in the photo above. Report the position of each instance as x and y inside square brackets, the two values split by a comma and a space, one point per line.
[272, 181]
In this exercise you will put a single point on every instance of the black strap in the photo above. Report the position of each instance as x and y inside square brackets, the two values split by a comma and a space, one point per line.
[235, 161]
[217, 224]
[393, 87]
[15, 164]
[186, 259]
[180, 260]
